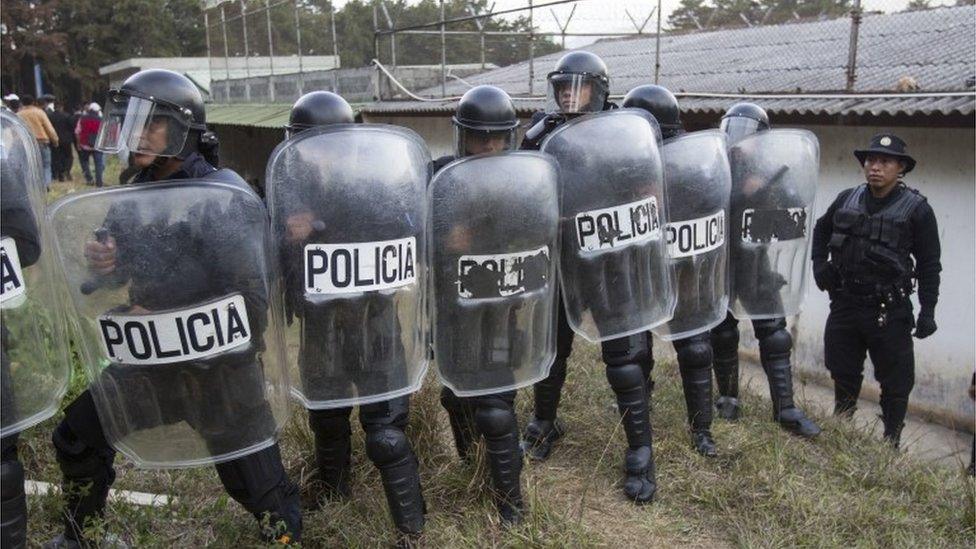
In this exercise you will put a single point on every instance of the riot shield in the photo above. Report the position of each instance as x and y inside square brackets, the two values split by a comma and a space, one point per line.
[35, 369]
[774, 183]
[181, 332]
[348, 213]
[494, 224]
[615, 275]
[696, 172]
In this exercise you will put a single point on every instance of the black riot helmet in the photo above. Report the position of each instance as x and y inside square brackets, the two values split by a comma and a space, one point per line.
[318, 108]
[485, 121]
[660, 102]
[578, 84]
[155, 112]
[742, 120]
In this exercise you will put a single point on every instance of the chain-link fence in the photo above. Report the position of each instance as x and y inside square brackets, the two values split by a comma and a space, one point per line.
[259, 50]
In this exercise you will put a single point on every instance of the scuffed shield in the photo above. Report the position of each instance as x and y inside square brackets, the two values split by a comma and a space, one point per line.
[182, 337]
[696, 172]
[348, 211]
[615, 275]
[33, 349]
[494, 240]
[774, 183]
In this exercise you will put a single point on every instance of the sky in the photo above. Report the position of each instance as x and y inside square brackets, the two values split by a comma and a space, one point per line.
[611, 15]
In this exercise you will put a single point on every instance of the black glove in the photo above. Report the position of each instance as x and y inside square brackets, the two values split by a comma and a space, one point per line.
[925, 326]
[826, 276]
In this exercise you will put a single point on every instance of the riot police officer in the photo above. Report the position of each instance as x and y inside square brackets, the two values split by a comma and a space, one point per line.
[775, 343]
[871, 244]
[298, 203]
[694, 352]
[485, 122]
[34, 364]
[578, 85]
[159, 117]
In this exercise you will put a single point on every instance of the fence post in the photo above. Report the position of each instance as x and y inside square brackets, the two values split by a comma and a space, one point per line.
[852, 48]
[657, 46]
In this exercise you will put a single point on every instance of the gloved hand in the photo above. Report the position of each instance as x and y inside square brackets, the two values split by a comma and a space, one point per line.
[925, 326]
[826, 276]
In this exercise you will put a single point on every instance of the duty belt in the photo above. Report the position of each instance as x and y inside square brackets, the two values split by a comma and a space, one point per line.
[885, 298]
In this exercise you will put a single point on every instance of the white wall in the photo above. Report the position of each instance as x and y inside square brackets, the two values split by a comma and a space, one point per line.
[947, 176]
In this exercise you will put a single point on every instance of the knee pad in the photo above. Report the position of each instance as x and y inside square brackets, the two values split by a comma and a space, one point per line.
[694, 354]
[80, 461]
[11, 480]
[625, 377]
[775, 343]
[386, 445]
[766, 327]
[725, 339]
[332, 423]
[494, 422]
[632, 349]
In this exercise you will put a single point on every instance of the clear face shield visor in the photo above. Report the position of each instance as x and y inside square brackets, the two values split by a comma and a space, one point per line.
[737, 127]
[142, 126]
[575, 93]
[468, 142]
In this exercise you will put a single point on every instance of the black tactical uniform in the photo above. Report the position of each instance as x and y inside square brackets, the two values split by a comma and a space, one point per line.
[867, 252]
[695, 352]
[485, 110]
[775, 342]
[628, 359]
[163, 275]
[324, 332]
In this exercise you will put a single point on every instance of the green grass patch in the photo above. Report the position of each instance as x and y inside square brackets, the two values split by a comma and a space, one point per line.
[767, 488]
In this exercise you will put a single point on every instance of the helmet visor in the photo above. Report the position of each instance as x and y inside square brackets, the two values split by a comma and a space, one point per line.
[468, 142]
[737, 127]
[575, 93]
[142, 126]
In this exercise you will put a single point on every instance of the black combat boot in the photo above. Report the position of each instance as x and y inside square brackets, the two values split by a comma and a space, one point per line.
[775, 348]
[496, 421]
[543, 430]
[462, 423]
[893, 412]
[639, 476]
[333, 451]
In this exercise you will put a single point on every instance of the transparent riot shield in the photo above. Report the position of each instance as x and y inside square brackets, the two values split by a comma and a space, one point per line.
[614, 270]
[348, 214]
[494, 223]
[179, 327]
[696, 172]
[774, 183]
[34, 350]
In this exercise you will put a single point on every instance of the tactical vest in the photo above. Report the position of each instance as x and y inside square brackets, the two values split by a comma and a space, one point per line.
[874, 249]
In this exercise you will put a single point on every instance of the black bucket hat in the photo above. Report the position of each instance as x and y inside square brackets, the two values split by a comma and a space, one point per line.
[889, 145]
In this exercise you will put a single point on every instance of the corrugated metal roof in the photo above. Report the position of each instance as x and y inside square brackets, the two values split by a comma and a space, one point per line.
[935, 47]
[255, 115]
[261, 116]
[874, 106]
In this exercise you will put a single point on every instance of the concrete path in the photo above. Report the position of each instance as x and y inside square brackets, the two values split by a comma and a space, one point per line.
[920, 438]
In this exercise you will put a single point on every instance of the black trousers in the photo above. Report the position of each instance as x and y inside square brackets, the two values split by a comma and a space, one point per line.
[852, 333]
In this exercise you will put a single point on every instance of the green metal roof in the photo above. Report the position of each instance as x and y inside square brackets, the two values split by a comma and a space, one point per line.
[254, 115]
[261, 116]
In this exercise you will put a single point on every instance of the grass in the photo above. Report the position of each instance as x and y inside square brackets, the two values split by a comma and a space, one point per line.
[767, 488]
